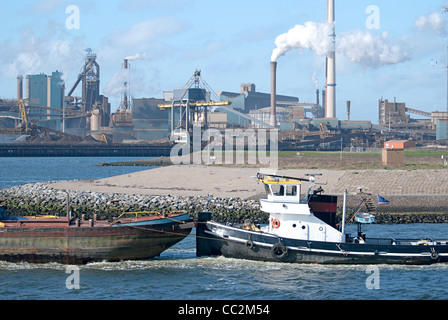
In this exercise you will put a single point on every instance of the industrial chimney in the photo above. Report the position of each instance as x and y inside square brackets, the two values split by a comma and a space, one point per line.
[330, 102]
[125, 105]
[273, 119]
[19, 88]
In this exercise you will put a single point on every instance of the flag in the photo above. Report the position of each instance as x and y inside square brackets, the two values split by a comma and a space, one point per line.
[381, 200]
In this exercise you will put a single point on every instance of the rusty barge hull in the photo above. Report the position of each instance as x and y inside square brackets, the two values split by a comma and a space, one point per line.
[82, 245]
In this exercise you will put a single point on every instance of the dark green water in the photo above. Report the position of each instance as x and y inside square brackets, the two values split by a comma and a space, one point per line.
[179, 275]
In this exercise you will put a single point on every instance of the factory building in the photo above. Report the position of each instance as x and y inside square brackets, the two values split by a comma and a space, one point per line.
[396, 116]
[150, 122]
[442, 130]
[436, 116]
[392, 112]
[264, 115]
[249, 99]
[45, 95]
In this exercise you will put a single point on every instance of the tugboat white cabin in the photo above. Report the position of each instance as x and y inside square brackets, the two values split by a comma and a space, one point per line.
[291, 216]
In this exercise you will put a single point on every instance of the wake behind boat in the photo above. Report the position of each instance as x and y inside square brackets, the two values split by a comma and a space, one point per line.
[67, 240]
[304, 230]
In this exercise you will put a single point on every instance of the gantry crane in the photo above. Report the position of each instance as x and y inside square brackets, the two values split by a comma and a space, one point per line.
[188, 107]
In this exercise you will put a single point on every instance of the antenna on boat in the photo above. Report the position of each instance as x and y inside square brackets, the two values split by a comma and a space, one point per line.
[265, 175]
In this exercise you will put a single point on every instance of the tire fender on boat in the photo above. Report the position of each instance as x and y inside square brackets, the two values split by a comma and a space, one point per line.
[249, 244]
[279, 250]
[434, 254]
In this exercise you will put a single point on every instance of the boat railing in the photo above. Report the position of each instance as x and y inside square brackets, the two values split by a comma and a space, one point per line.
[416, 242]
[136, 215]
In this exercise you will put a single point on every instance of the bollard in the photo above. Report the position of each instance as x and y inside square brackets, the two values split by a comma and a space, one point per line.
[202, 247]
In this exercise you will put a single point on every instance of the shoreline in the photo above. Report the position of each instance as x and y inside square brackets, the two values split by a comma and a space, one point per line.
[231, 194]
[42, 199]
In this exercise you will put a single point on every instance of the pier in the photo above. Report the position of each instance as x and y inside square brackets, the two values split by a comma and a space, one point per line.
[37, 150]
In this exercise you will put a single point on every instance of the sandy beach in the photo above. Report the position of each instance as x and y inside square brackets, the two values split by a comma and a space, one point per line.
[235, 182]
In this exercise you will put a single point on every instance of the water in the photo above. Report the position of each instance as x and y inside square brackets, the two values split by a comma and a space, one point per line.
[178, 275]
[18, 171]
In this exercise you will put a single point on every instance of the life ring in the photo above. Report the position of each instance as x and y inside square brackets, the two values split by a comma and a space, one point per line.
[279, 250]
[275, 223]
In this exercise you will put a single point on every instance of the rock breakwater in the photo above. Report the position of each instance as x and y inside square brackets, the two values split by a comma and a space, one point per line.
[42, 199]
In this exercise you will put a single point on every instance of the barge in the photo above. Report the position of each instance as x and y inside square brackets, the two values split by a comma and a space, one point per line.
[305, 230]
[66, 240]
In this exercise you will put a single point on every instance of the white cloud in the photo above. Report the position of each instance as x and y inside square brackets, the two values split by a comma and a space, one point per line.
[32, 54]
[46, 5]
[144, 32]
[137, 5]
[431, 22]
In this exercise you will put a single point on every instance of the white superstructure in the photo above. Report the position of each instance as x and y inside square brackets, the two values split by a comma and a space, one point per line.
[290, 216]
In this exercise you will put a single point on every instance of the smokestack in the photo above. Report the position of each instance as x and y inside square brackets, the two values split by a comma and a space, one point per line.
[348, 110]
[273, 120]
[125, 96]
[19, 88]
[330, 103]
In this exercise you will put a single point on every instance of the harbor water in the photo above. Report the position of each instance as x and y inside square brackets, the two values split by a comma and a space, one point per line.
[178, 275]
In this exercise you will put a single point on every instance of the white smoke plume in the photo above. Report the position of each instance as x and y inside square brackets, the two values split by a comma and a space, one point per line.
[360, 47]
[312, 36]
[116, 86]
[136, 57]
[370, 50]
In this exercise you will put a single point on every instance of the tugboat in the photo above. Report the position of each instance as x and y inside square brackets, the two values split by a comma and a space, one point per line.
[305, 230]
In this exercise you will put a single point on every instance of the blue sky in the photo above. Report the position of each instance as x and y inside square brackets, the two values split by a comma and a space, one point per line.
[231, 42]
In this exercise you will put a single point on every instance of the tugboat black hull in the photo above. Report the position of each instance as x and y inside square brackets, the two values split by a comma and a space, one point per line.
[215, 240]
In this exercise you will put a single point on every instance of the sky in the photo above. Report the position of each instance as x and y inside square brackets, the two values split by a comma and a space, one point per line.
[385, 49]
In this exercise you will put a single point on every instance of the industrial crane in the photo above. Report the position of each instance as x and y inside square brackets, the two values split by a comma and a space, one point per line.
[188, 107]
[23, 115]
[199, 104]
[25, 122]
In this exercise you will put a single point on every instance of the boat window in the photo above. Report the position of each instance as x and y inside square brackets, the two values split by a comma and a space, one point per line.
[291, 191]
[267, 189]
[278, 190]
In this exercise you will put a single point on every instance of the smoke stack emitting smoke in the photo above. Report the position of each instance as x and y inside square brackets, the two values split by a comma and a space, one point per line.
[359, 47]
[117, 86]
